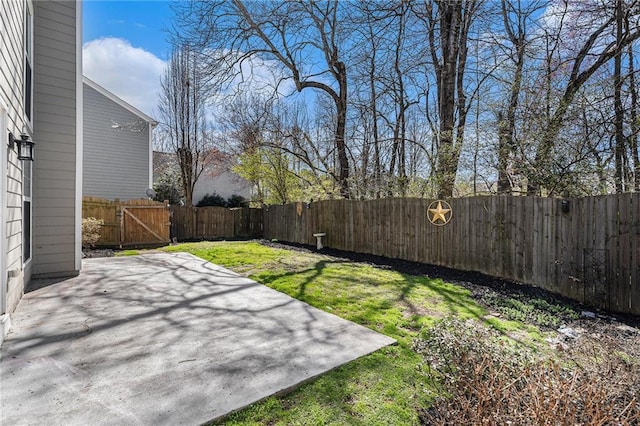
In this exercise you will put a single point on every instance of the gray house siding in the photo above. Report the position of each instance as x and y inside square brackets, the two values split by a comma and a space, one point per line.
[46, 242]
[13, 119]
[57, 118]
[224, 184]
[117, 151]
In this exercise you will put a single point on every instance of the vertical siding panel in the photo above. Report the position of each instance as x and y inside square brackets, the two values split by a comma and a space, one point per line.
[116, 160]
[11, 84]
[55, 126]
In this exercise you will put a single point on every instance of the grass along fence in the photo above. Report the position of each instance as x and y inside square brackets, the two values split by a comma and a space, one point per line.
[590, 252]
[207, 223]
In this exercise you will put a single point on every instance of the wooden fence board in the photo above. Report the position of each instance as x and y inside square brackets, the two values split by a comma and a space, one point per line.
[130, 223]
[590, 253]
[634, 259]
[620, 295]
[202, 223]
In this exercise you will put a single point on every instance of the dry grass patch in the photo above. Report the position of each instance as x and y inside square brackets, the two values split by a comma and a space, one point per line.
[485, 379]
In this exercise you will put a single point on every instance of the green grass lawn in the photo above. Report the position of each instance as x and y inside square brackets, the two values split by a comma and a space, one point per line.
[384, 388]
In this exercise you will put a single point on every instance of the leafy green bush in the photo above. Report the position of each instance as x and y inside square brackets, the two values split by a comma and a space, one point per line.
[168, 186]
[235, 201]
[212, 200]
[215, 200]
[91, 231]
[533, 310]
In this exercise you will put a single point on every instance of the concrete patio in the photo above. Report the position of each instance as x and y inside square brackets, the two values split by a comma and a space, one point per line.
[162, 339]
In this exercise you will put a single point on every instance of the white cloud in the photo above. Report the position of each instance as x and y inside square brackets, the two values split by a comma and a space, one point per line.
[129, 72]
[133, 74]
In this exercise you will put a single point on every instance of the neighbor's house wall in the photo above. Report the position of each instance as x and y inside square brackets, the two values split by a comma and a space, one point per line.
[117, 147]
[57, 181]
[11, 96]
[225, 184]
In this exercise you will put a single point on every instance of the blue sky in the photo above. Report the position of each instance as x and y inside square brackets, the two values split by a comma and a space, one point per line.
[140, 22]
[125, 48]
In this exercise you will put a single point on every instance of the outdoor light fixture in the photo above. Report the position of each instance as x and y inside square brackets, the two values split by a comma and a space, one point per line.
[25, 146]
[565, 205]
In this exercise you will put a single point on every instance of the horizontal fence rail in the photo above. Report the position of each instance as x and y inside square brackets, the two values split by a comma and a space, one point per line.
[131, 223]
[587, 249]
[208, 223]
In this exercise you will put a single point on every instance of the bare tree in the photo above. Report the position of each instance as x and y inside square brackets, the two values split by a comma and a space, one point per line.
[515, 18]
[594, 51]
[633, 117]
[302, 37]
[448, 24]
[413, 114]
[183, 116]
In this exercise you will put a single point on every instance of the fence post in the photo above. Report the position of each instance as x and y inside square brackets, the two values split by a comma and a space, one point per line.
[120, 216]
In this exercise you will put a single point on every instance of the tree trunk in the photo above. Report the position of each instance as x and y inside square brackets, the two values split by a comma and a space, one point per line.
[506, 125]
[617, 106]
[341, 128]
[576, 80]
[633, 117]
[454, 20]
[504, 183]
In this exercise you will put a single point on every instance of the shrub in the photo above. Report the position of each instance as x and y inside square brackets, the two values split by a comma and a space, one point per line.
[486, 379]
[167, 192]
[212, 200]
[235, 201]
[168, 186]
[91, 231]
[533, 310]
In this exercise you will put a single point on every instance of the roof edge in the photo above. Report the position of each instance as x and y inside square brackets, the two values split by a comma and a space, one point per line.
[95, 86]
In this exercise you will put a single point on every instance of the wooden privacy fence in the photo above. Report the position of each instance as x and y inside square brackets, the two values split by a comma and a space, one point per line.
[590, 252]
[133, 223]
[207, 223]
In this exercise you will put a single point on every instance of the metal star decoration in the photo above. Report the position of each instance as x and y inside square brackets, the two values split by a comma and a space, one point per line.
[441, 214]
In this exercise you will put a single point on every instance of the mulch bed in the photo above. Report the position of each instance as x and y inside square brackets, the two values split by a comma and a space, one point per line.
[480, 285]
[98, 253]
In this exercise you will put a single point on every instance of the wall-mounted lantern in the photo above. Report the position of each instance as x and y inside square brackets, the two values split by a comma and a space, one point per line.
[565, 205]
[25, 146]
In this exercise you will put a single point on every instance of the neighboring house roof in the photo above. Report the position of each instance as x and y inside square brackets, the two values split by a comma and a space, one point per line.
[111, 128]
[217, 177]
[95, 86]
[217, 163]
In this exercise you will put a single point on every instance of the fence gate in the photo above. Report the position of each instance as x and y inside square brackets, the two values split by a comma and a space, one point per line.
[133, 223]
[144, 224]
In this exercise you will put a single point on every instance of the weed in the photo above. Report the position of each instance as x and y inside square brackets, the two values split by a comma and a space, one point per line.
[530, 310]
[485, 380]
[91, 231]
